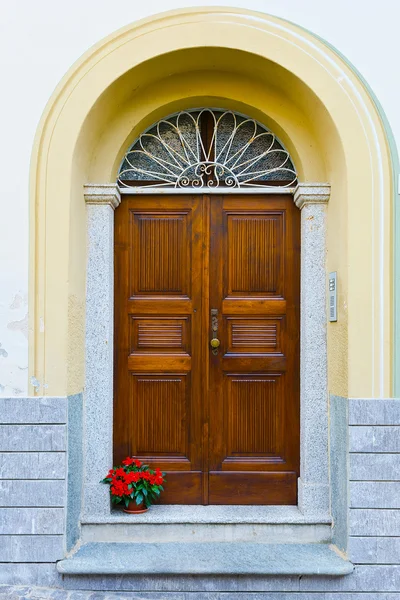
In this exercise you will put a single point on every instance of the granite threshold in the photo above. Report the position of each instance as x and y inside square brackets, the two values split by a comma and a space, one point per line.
[213, 514]
[209, 559]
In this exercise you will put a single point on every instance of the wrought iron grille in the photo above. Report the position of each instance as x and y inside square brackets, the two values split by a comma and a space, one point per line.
[207, 148]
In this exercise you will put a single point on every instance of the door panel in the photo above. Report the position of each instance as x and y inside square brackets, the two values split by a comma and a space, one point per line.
[252, 488]
[158, 379]
[159, 410]
[254, 377]
[224, 426]
[247, 335]
[253, 406]
[161, 264]
[252, 242]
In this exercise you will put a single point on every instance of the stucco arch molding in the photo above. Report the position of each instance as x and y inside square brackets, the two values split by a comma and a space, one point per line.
[356, 163]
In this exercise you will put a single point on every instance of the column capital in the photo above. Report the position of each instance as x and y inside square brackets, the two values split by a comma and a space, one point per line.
[102, 194]
[311, 193]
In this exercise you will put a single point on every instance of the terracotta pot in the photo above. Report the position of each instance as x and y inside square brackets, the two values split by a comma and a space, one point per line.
[135, 509]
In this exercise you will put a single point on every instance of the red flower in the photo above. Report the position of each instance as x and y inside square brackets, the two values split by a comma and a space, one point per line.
[159, 480]
[132, 477]
[119, 488]
[123, 480]
[130, 461]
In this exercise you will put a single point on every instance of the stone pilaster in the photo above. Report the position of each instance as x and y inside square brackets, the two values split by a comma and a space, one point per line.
[101, 200]
[314, 468]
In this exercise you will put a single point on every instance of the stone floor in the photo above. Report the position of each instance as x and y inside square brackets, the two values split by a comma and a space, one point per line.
[8, 592]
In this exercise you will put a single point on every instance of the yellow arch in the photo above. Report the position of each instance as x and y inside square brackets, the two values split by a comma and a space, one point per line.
[230, 58]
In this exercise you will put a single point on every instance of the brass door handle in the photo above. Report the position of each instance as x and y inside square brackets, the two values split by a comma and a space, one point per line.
[214, 342]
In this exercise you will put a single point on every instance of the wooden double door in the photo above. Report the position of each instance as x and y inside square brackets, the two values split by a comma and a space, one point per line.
[224, 421]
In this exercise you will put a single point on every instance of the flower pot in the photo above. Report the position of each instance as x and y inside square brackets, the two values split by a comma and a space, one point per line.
[135, 509]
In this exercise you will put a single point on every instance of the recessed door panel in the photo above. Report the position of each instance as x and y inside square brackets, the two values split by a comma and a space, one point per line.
[253, 404]
[160, 415]
[254, 335]
[252, 258]
[161, 262]
[160, 335]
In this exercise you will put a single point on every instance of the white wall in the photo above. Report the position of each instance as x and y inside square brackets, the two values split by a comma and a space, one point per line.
[40, 40]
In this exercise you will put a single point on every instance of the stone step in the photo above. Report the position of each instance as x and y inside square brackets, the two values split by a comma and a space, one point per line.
[266, 524]
[206, 558]
[268, 533]
[184, 513]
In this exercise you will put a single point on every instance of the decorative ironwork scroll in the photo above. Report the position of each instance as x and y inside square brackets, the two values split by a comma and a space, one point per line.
[207, 148]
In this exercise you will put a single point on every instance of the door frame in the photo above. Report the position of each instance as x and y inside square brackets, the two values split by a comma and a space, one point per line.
[101, 201]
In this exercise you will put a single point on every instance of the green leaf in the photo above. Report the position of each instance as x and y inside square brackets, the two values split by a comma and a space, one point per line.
[139, 499]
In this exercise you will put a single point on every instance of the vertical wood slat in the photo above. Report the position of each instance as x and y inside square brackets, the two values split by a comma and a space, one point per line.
[253, 260]
[253, 411]
[160, 406]
[160, 248]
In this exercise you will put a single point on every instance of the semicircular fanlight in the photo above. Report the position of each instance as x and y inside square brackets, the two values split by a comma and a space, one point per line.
[207, 148]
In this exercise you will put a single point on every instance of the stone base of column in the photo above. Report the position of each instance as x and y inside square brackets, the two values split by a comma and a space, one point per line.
[313, 498]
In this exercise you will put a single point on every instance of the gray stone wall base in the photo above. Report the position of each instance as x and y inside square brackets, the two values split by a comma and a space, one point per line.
[30, 574]
[35, 593]
[339, 452]
[74, 469]
[365, 579]
[177, 585]
[35, 440]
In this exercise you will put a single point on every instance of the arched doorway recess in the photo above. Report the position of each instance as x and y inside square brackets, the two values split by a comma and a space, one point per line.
[283, 77]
